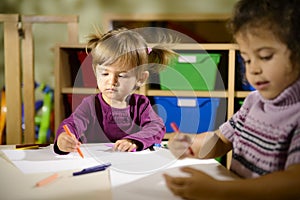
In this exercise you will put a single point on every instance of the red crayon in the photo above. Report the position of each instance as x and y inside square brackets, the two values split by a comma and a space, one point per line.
[176, 129]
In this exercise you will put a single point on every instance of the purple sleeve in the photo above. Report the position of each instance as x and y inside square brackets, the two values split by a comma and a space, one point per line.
[84, 119]
[152, 126]
[79, 119]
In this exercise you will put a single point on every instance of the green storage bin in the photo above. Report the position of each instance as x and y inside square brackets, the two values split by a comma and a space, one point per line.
[191, 72]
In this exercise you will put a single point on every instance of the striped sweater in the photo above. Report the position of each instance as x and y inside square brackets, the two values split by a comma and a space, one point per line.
[265, 134]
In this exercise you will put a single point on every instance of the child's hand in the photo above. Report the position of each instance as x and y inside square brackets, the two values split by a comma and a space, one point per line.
[125, 145]
[179, 145]
[197, 185]
[67, 143]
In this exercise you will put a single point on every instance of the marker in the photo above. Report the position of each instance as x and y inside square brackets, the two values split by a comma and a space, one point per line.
[92, 169]
[47, 180]
[176, 129]
[165, 146]
[70, 134]
[157, 145]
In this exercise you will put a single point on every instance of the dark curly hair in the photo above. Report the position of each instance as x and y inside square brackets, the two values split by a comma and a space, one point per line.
[282, 17]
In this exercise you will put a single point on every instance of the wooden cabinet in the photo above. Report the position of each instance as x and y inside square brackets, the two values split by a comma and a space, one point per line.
[64, 83]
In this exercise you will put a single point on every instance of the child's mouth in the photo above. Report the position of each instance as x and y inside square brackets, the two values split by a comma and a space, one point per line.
[111, 90]
[261, 85]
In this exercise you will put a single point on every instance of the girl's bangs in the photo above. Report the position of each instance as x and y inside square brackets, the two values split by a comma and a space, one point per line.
[125, 61]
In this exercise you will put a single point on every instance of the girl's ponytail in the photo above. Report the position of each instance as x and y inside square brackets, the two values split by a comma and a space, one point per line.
[159, 57]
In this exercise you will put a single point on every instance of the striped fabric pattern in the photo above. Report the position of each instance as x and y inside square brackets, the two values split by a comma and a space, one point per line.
[265, 133]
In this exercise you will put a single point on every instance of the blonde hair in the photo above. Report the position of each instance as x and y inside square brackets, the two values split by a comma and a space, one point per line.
[128, 49]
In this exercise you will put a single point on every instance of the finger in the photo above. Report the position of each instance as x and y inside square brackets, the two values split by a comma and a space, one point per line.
[167, 179]
[180, 150]
[70, 146]
[127, 146]
[176, 185]
[71, 143]
[190, 170]
[121, 145]
[132, 148]
[179, 136]
[118, 145]
[176, 181]
[182, 143]
[66, 145]
[182, 138]
[194, 172]
[115, 147]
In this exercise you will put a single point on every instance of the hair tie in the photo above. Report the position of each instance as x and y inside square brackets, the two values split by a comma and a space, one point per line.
[149, 50]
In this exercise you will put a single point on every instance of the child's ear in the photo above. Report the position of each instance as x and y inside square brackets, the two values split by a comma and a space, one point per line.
[143, 78]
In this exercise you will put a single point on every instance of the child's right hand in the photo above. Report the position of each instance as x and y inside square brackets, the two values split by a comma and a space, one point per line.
[179, 145]
[67, 143]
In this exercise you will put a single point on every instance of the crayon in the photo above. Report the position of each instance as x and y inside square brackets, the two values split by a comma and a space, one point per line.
[176, 129]
[30, 146]
[47, 180]
[70, 134]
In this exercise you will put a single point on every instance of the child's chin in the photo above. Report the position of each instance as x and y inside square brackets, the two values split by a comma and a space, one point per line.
[267, 95]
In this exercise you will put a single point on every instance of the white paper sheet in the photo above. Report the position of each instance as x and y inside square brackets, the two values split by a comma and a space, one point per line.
[139, 162]
[134, 175]
[154, 186]
[45, 160]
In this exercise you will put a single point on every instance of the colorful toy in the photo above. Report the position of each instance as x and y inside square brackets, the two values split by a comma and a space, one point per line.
[43, 118]
[2, 116]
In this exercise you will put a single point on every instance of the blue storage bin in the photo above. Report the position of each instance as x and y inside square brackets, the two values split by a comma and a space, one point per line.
[192, 115]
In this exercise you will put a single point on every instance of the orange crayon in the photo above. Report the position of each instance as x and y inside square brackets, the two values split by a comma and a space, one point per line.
[70, 134]
[47, 180]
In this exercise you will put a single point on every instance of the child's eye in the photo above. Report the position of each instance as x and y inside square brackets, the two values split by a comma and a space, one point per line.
[245, 59]
[104, 74]
[246, 62]
[266, 58]
[123, 75]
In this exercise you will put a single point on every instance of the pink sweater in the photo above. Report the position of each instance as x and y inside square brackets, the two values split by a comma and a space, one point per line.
[265, 133]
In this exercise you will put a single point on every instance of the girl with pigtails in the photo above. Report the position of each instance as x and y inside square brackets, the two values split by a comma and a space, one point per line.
[122, 62]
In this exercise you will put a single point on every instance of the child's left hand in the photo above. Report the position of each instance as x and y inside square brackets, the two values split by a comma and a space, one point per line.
[125, 145]
[197, 186]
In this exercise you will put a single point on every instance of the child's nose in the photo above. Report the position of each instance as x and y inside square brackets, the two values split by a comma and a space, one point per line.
[254, 68]
[113, 80]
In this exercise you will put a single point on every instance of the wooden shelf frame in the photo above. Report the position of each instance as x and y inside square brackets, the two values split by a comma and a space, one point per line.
[63, 82]
[19, 70]
[207, 26]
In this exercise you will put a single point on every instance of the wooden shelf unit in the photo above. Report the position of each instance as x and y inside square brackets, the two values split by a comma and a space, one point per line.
[203, 28]
[63, 84]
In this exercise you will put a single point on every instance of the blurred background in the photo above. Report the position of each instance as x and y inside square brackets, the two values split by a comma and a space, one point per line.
[90, 12]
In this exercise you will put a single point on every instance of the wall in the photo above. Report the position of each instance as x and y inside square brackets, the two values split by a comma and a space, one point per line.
[90, 13]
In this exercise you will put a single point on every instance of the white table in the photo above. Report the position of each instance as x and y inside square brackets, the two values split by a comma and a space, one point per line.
[136, 175]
